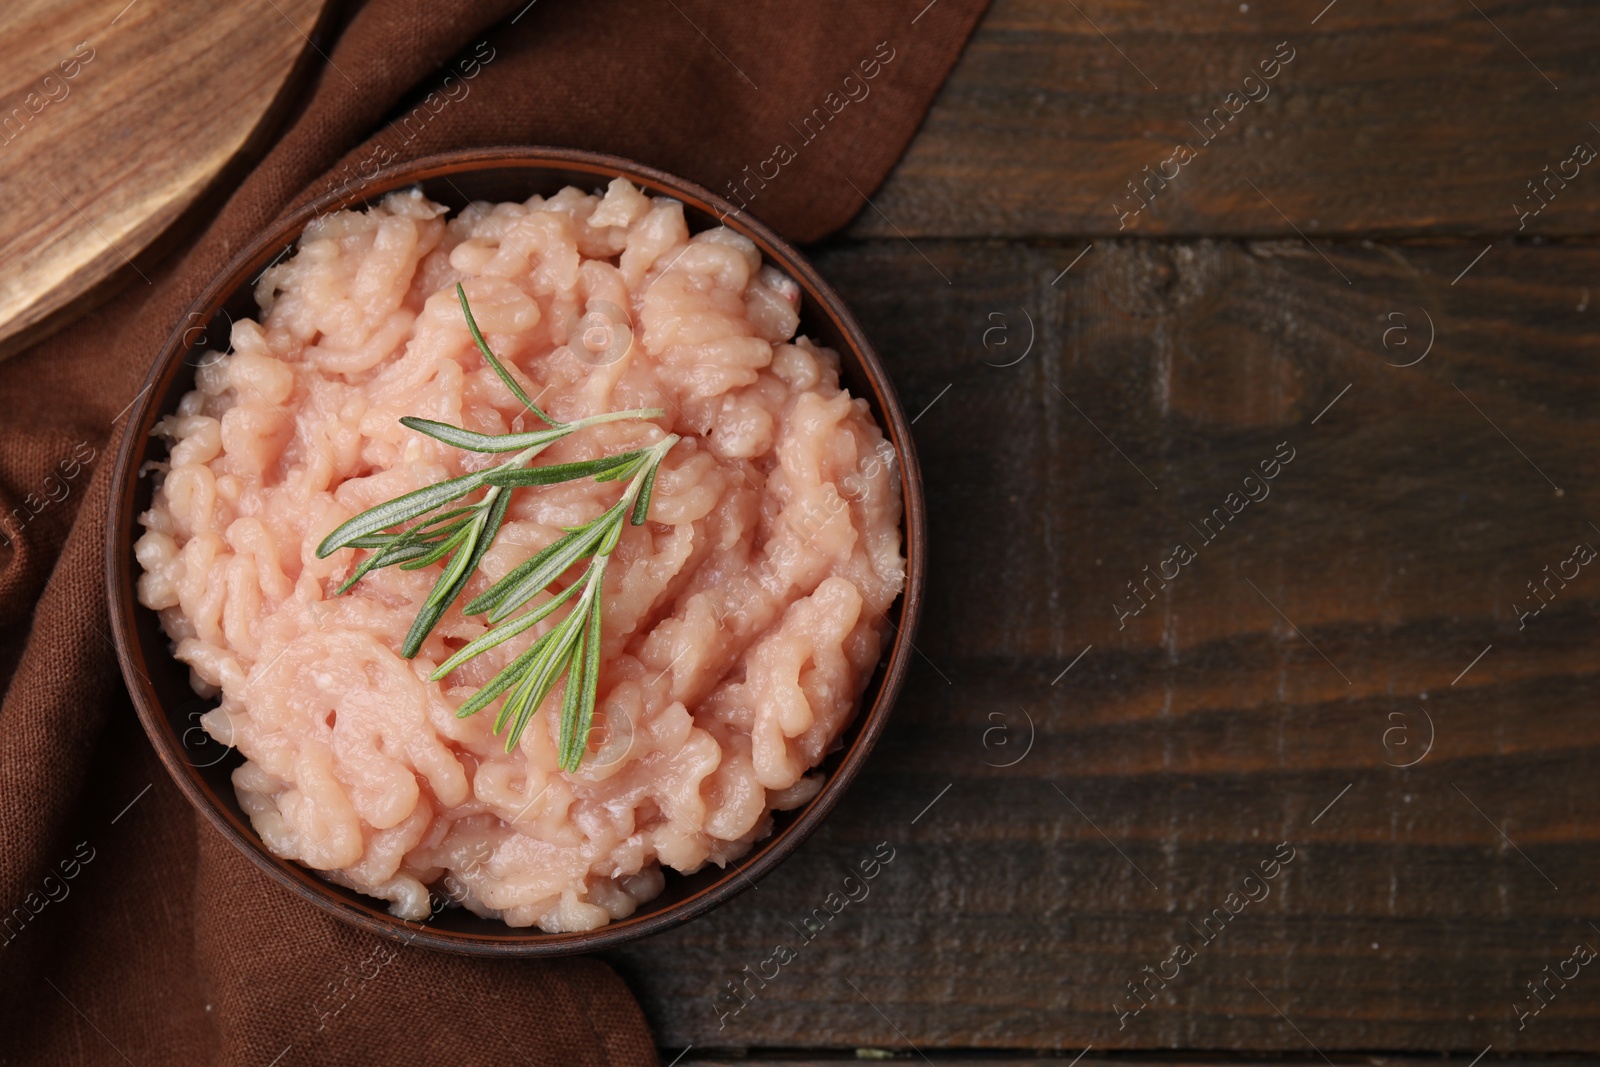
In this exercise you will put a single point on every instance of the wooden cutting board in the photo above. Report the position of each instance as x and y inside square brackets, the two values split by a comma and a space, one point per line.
[114, 118]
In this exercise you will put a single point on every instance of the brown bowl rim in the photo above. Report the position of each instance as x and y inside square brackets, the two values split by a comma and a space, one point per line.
[737, 876]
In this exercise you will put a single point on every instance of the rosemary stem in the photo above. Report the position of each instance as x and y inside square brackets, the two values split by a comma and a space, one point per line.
[615, 416]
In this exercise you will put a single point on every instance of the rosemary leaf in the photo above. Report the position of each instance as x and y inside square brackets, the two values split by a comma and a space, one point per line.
[454, 535]
[471, 441]
[491, 527]
[489, 357]
[530, 661]
[500, 682]
[397, 551]
[504, 632]
[628, 471]
[642, 508]
[572, 697]
[381, 540]
[525, 699]
[446, 589]
[491, 597]
[511, 594]
[587, 685]
[548, 671]
[400, 509]
[601, 470]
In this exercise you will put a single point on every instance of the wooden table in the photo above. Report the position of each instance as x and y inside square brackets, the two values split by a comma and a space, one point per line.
[1349, 657]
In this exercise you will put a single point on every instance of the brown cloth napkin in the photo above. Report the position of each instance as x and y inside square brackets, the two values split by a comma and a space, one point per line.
[129, 931]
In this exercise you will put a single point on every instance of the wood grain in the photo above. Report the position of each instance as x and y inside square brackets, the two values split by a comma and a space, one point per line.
[1254, 701]
[99, 156]
[1416, 118]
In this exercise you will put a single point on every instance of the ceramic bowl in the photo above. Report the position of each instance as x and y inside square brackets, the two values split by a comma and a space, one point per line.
[170, 710]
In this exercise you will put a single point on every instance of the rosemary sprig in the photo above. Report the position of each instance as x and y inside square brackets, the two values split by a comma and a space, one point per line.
[571, 648]
[463, 534]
